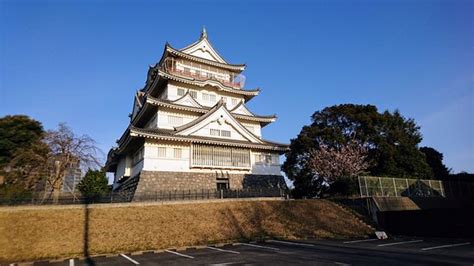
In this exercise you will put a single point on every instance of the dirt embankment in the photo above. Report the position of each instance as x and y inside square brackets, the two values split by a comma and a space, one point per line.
[46, 233]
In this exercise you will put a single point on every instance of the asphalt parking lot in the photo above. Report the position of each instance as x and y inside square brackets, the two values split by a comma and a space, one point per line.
[393, 251]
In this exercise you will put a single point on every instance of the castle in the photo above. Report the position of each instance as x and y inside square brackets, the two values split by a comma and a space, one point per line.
[190, 129]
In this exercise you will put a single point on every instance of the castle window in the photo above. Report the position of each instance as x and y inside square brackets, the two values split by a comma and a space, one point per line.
[209, 98]
[225, 133]
[193, 94]
[181, 92]
[220, 133]
[177, 153]
[212, 98]
[235, 101]
[276, 159]
[220, 157]
[161, 152]
[263, 158]
[175, 120]
[215, 132]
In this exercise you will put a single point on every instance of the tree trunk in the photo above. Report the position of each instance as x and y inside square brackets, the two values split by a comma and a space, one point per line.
[57, 182]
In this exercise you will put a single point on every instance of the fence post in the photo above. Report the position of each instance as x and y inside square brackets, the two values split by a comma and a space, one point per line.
[441, 188]
[395, 187]
[381, 188]
[408, 187]
[360, 188]
[366, 187]
[222, 194]
[431, 188]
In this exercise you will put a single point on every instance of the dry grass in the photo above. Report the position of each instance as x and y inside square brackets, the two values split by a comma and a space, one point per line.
[55, 233]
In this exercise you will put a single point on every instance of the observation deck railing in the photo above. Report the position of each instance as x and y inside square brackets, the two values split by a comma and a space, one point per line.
[203, 72]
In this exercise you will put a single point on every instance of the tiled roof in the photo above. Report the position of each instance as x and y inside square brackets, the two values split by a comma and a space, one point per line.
[176, 52]
[170, 136]
[205, 109]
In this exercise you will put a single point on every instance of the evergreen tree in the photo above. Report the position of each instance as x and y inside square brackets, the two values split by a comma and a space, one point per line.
[94, 185]
[435, 160]
[17, 132]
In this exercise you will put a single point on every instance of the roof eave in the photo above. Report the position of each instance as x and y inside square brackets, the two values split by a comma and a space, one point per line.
[176, 52]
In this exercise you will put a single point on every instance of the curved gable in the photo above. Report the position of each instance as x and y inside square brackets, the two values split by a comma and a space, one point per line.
[203, 49]
[187, 100]
[241, 109]
[217, 118]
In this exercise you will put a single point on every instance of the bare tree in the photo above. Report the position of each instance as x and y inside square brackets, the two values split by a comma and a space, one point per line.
[348, 160]
[68, 150]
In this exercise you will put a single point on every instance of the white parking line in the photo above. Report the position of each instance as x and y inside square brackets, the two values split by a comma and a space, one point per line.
[224, 250]
[257, 246]
[130, 259]
[447, 246]
[179, 254]
[290, 243]
[225, 263]
[363, 240]
[399, 243]
[341, 263]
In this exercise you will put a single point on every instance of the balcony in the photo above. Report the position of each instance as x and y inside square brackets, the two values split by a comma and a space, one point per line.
[202, 72]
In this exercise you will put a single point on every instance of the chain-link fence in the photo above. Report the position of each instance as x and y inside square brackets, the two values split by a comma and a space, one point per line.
[405, 187]
[168, 195]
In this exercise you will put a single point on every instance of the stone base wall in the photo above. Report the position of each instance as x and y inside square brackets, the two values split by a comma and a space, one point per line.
[152, 181]
[128, 187]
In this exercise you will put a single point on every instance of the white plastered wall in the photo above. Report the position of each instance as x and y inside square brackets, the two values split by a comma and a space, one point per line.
[206, 131]
[254, 127]
[231, 100]
[163, 119]
[169, 164]
[123, 167]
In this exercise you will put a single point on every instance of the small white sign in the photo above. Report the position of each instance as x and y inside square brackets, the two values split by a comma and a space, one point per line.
[381, 235]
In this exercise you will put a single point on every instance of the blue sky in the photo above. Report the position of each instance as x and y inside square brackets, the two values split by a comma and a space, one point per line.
[80, 62]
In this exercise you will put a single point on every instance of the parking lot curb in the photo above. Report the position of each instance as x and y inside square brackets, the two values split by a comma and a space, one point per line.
[158, 251]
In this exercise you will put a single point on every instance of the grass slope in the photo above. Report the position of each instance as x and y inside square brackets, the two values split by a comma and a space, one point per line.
[33, 234]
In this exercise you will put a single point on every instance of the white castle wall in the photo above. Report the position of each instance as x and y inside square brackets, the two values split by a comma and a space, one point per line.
[172, 94]
[163, 119]
[123, 167]
[154, 163]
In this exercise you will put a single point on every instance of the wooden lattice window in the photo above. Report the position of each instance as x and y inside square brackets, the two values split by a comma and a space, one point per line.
[220, 157]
